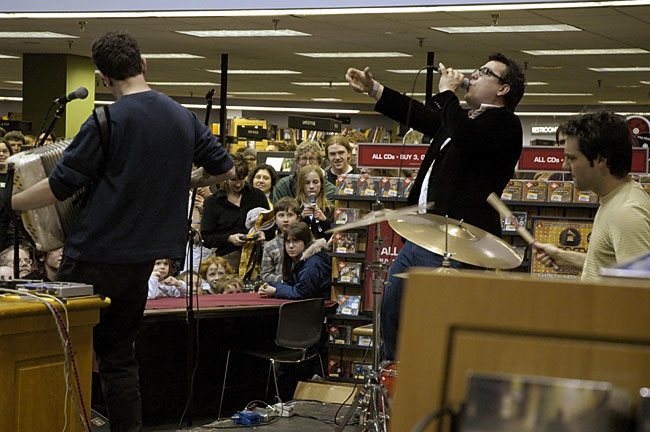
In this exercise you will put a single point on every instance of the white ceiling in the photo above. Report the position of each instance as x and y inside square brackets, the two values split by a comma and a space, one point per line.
[604, 27]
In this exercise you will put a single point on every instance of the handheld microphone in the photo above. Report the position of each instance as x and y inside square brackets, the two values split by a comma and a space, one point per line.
[80, 93]
[463, 85]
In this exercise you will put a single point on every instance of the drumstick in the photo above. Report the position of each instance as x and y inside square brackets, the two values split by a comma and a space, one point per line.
[505, 212]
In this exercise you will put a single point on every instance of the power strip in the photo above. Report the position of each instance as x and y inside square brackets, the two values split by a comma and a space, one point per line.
[285, 410]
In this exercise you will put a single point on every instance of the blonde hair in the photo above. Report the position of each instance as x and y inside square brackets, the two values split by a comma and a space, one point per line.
[321, 198]
[223, 283]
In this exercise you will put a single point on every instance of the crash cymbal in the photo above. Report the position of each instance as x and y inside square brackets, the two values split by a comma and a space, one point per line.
[468, 243]
[445, 270]
[378, 216]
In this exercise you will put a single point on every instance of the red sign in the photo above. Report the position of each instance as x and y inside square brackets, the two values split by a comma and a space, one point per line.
[542, 158]
[391, 244]
[372, 155]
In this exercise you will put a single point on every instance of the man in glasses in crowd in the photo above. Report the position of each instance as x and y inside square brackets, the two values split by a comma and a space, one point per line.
[472, 154]
[307, 153]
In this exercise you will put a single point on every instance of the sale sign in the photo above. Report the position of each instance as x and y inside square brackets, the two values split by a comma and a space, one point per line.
[544, 158]
[373, 155]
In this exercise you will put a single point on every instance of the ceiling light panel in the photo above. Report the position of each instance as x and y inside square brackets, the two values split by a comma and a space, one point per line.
[3, 56]
[354, 54]
[621, 69]
[508, 29]
[171, 56]
[259, 93]
[35, 35]
[242, 33]
[558, 94]
[595, 51]
[181, 83]
[256, 71]
[322, 84]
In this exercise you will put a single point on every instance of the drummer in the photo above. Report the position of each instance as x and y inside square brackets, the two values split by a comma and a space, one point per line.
[472, 154]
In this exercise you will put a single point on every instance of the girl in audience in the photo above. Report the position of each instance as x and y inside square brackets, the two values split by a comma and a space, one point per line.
[306, 267]
[223, 224]
[229, 284]
[213, 269]
[317, 211]
[264, 177]
[162, 283]
[45, 265]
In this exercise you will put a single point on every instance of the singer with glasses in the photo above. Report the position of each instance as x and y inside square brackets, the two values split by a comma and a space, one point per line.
[472, 154]
[135, 210]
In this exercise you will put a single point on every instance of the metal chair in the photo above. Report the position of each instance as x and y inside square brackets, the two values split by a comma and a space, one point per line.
[299, 328]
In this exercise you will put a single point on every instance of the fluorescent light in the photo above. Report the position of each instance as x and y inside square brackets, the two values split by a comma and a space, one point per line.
[260, 108]
[547, 67]
[325, 12]
[326, 99]
[558, 94]
[171, 56]
[536, 83]
[256, 72]
[259, 93]
[508, 29]
[14, 82]
[595, 51]
[644, 82]
[377, 54]
[35, 35]
[628, 86]
[414, 71]
[242, 33]
[3, 56]
[613, 102]
[180, 83]
[322, 84]
[622, 69]
[11, 98]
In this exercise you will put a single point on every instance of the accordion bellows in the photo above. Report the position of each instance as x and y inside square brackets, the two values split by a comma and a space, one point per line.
[47, 226]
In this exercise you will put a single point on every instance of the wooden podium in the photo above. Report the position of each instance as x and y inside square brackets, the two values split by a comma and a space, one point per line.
[32, 383]
[514, 324]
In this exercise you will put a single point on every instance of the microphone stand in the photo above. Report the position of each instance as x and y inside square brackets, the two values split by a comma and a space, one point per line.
[192, 332]
[57, 115]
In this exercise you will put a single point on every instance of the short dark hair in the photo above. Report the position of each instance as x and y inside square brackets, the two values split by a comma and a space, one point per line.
[604, 134]
[561, 129]
[286, 204]
[15, 136]
[267, 167]
[117, 55]
[513, 77]
[295, 231]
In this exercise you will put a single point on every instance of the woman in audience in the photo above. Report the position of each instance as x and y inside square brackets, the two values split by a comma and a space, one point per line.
[162, 283]
[306, 267]
[45, 265]
[318, 211]
[24, 263]
[264, 177]
[223, 224]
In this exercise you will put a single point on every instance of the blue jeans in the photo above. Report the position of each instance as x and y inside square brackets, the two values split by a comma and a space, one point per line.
[411, 255]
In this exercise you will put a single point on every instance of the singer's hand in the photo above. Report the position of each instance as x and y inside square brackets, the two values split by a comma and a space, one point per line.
[450, 79]
[360, 81]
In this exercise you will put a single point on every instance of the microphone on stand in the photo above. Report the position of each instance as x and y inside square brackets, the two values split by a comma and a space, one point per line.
[79, 93]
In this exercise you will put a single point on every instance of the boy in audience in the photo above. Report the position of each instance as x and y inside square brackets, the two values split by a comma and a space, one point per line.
[287, 211]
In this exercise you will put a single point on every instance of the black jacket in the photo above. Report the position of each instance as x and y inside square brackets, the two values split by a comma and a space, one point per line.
[479, 159]
[221, 218]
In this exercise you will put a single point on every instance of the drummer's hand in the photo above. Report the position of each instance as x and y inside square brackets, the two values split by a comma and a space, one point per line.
[546, 253]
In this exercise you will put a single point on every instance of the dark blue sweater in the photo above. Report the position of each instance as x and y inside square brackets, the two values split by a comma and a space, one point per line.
[311, 276]
[136, 209]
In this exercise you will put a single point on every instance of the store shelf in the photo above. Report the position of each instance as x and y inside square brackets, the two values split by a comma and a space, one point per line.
[550, 204]
[369, 198]
[361, 255]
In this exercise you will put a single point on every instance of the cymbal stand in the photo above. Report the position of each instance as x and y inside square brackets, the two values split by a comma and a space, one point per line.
[373, 399]
[446, 257]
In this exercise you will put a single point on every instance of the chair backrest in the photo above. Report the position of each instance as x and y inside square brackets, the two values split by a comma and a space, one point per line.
[300, 323]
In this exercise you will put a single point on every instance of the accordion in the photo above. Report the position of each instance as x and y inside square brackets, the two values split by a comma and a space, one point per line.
[47, 226]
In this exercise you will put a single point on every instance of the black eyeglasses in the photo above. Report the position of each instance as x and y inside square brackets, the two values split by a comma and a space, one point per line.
[485, 71]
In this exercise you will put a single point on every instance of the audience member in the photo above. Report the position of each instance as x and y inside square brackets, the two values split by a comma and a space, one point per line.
[355, 137]
[317, 211]
[223, 225]
[199, 252]
[162, 283]
[339, 153]
[213, 269]
[30, 140]
[49, 140]
[264, 178]
[307, 153]
[45, 265]
[250, 157]
[306, 267]
[272, 147]
[200, 286]
[24, 263]
[16, 141]
[3, 131]
[287, 211]
[230, 284]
